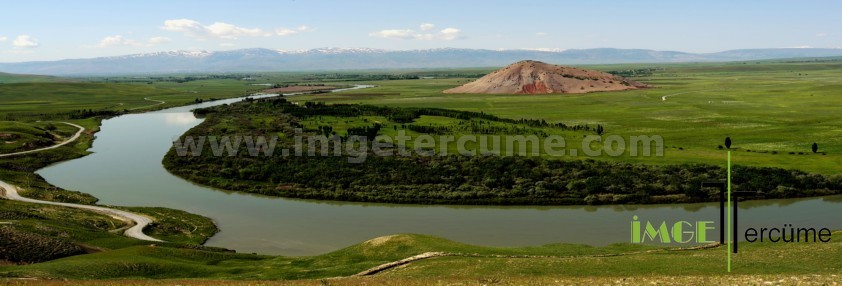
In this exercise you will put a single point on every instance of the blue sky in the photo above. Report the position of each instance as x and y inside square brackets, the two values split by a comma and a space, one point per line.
[49, 30]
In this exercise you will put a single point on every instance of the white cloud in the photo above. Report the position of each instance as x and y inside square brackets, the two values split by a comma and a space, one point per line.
[821, 34]
[158, 40]
[426, 27]
[228, 31]
[286, 31]
[446, 34]
[25, 42]
[226, 44]
[116, 41]
[217, 30]
[425, 37]
[120, 41]
[801, 47]
[541, 34]
[449, 34]
[3, 39]
[394, 33]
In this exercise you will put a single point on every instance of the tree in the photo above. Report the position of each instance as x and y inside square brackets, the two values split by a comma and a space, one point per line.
[728, 142]
[599, 129]
[815, 147]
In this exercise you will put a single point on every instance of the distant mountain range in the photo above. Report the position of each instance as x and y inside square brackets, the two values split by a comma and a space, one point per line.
[249, 60]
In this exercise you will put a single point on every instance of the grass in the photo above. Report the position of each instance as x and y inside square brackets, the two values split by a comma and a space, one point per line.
[457, 280]
[97, 232]
[18, 78]
[93, 232]
[20, 136]
[177, 226]
[35, 232]
[27, 100]
[764, 106]
[768, 108]
[19, 170]
[459, 127]
[476, 263]
[48, 100]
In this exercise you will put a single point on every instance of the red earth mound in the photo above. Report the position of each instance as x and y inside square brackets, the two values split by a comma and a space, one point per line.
[533, 77]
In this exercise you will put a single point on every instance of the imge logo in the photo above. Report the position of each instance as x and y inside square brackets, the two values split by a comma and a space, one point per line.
[687, 232]
[678, 232]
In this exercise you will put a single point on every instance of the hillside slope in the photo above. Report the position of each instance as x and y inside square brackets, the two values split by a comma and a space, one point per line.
[534, 77]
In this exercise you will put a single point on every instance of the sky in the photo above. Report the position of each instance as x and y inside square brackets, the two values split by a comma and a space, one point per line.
[51, 30]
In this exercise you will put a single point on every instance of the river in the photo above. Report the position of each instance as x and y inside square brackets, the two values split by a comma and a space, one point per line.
[125, 169]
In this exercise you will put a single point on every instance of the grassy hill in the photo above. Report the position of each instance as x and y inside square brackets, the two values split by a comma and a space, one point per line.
[19, 78]
[459, 262]
[20, 136]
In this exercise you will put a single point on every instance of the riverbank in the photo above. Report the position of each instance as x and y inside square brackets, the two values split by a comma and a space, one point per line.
[170, 224]
[31, 236]
[43, 222]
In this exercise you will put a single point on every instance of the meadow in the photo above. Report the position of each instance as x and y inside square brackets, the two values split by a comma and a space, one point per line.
[57, 100]
[21, 136]
[773, 110]
[460, 263]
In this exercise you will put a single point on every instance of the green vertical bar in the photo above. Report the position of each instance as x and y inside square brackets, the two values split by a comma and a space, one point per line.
[730, 239]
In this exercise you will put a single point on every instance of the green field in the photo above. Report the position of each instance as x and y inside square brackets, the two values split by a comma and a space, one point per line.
[35, 233]
[57, 100]
[462, 263]
[6, 78]
[770, 109]
[19, 136]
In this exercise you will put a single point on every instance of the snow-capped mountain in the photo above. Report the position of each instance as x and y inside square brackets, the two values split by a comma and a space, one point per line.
[259, 59]
[195, 54]
[331, 50]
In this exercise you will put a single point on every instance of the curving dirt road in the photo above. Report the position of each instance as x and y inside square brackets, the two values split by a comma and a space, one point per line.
[73, 138]
[11, 192]
[148, 99]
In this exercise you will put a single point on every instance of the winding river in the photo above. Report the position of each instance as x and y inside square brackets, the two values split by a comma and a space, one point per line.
[125, 169]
